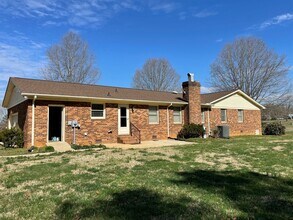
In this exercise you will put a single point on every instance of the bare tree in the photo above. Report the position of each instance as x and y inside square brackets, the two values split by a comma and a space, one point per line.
[70, 61]
[156, 74]
[248, 64]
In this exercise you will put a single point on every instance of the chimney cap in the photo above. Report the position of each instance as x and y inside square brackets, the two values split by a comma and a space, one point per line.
[190, 77]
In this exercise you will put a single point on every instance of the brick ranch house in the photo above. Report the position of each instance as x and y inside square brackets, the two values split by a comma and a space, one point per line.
[45, 110]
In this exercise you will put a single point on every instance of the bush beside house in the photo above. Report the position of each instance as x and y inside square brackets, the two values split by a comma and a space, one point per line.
[191, 131]
[12, 137]
[274, 128]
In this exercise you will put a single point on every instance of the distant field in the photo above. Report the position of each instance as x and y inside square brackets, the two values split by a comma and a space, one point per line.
[237, 178]
[287, 123]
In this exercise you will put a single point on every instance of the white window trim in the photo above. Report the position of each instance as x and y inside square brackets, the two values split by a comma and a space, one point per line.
[180, 112]
[104, 110]
[242, 116]
[158, 115]
[226, 118]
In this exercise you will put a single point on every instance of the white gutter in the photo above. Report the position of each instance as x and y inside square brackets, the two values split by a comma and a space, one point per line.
[100, 98]
[33, 120]
[168, 124]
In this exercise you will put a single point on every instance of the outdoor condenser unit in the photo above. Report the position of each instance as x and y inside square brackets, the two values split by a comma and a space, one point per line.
[223, 131]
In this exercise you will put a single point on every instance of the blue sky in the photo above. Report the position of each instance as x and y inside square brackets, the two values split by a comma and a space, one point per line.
[124, 33]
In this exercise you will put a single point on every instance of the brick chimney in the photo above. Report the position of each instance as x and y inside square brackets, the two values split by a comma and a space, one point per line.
[191, 93]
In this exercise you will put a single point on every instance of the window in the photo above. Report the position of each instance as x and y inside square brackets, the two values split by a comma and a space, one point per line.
[240, 115]
[202, 116]
[223, 115]
[13, 120]
[177, 115]
[98, 111]
[153, 115]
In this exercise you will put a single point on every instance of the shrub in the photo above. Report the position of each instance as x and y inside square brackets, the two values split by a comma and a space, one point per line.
[191, 131]
[274, 128]
[12, 137]
[83, 147]
[49, 149]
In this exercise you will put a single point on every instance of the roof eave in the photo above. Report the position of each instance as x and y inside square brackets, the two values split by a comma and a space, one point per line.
[80, 98]
[7, 94]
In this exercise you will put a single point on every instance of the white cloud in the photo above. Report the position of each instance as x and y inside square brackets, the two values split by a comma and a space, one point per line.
[76, 13]
[219, 40]
[182, 15]
[276, 20]
[205, 13]
[166, 7]
[18, 57]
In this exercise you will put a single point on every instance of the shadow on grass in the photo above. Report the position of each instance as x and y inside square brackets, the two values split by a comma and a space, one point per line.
[132, 204]
[253, 195]
[257, 195]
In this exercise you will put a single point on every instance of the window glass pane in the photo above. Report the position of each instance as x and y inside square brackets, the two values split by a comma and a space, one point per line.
[153, 119]
[123, 122]
[122, 111]
[14, 121]
[240, 115]
[223, 115]
[177, 114]
[153, 110]
[98, 110]
[177, 118]
[153, 114]
[97, 113]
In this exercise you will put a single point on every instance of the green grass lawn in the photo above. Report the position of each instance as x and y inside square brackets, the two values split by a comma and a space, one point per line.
[245, 177]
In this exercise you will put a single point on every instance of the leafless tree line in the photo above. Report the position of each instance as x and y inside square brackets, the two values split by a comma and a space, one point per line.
[248, 64]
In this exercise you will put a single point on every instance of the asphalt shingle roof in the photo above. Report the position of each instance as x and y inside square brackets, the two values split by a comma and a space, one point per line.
[46, 87]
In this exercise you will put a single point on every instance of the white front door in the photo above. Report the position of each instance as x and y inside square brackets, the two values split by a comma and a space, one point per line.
[123, 120]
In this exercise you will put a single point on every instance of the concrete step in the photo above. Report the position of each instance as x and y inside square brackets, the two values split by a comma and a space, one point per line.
[127, 139]
[60, 146]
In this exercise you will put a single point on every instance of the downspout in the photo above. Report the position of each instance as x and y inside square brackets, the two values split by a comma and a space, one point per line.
[33, 120]
[168, 124]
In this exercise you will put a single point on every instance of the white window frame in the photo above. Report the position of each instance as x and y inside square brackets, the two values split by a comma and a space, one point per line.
[225, 115]
[158, 116]
[180, 114]
[104, 111]
[240, 121]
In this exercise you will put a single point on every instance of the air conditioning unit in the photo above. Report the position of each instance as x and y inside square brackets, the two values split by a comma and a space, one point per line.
[223, 131]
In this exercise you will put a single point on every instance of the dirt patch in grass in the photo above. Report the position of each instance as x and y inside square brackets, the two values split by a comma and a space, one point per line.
[222, 161]
[279, 148]
[281, 141]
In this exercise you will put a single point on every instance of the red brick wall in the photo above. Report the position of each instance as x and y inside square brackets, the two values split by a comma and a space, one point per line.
[251, 123]
[24, 119]
[139, 116]
[92, 130]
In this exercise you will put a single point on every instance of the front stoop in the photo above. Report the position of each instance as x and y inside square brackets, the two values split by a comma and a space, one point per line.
[127, 139]
[60, 146]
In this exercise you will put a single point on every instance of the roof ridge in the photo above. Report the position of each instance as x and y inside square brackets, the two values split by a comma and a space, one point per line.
[86, 84]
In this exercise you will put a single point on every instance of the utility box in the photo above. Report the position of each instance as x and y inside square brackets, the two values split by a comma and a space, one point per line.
[224, 131]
